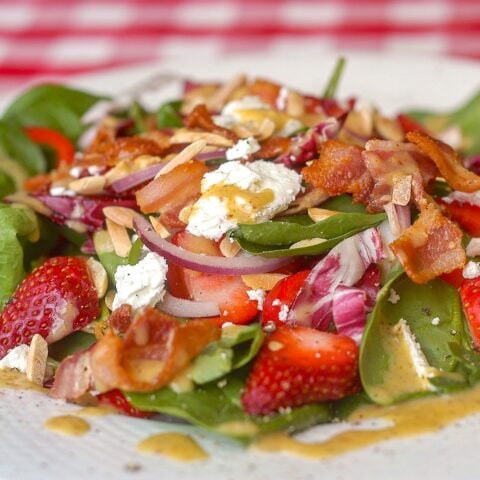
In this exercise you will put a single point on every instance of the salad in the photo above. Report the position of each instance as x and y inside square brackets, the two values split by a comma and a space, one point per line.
[248, 258]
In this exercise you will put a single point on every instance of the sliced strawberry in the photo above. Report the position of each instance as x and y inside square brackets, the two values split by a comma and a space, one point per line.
[465, 214]
[409, 124]
[470, 295]
[116, 399]
[279, 300]
[56, 299]
[301, 365]
[455, 278]
[228, 291]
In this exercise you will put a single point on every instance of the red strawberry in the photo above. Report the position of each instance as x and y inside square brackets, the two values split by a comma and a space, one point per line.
[281, 297]
[470, 295]
[54, 300]
[298, 366]
[116, 400]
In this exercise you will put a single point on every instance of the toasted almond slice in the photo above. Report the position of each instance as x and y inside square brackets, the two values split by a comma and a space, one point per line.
[319, 214]
[37, 359]
[308, 242]
[159, 227]
[25, 199]
[76, 225]
[388, 128]
[402, 191]
[223, 93]
[266, 129]
[229, 247]
[306, 201]
[243, 131]
[121, 215]
[88, 185]
[187, 154]
[184, 213]
[99, 276]
[120, 239]
[109, 296]
[189, 136]
[295, 104]
[265, 281]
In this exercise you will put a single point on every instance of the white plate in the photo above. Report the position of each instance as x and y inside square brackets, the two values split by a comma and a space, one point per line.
[28, 451]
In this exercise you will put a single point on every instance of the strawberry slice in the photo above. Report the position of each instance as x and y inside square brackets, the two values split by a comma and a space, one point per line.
[279, 300]
[470, 295]
[116, 399]
[301, 365]
[54, 300]
[228, 291]
[465, 214]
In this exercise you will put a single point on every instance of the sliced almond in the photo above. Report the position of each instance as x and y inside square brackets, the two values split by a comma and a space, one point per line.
[99, 276]
[388, 128]
[189, 136]
[25, 199]
[120, 239]
[243, 131]
[304, 202]
[121, 215]
[187, 154]
[88, 185]
[109, 296]
[37, 360]
[402, 191]
[229, 247]
[309, 242]
[319, 214]
[184, 213]
[264, 281]
[220, 97]
[266, 129]
[159, 227]
[76, 225]
[295, 104]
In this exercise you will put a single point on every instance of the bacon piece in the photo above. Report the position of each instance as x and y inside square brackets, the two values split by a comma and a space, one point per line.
[340, 169]
[447, 160]
[200, 118]
[265, 90]
[73, 378]
[154, 349]
[273, 147]
[430, 247]
[120, 319]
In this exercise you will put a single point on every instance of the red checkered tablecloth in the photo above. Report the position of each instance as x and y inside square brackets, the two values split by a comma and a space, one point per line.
[64, 37]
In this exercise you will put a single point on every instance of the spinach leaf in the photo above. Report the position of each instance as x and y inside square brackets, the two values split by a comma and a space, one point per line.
[343, 203]
[52, 106]
[17, 225]
[237, 346]
[70, 344]
[17, 147]
[272, 239]
[466, 118]
[218, 409]
[334, 80]
[168, 116]
[386, 375]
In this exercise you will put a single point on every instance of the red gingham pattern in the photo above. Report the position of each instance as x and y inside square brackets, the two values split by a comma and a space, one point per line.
[64, 37]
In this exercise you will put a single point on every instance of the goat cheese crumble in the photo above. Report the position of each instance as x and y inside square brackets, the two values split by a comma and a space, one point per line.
[16, 359]
[142, 284]
[243, 149]
[237, 193]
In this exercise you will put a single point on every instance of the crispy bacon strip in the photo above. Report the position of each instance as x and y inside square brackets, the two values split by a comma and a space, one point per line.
[430, 247]
[340, 169]
[200, 118]
[273, 147]
[265, 90]
[73, 378]
[447, 160]
[154, 349]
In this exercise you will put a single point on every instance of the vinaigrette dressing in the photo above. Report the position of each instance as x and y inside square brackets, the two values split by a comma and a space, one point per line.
[69, 425]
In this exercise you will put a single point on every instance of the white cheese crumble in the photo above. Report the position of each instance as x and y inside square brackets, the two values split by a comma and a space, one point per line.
[435, 321]
[463, 197]
[473, 247]
[283, 313]
[243, 149]
[142, 284]
[393, 296]
[281, 101]
[257, 294]
[76, 172]
[471, 270]
[16, 359]
[60, 190]
[94, 170]
[215, 214]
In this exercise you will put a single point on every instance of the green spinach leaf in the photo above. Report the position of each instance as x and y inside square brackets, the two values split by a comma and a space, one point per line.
[52, 106]
[168, 116]
[385, 374]
[466, 118]
[272, 239]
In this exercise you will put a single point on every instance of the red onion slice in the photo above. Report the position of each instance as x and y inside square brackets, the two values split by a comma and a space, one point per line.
[241, 265]
[180, 307]
[136, 178]
[213, 155]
